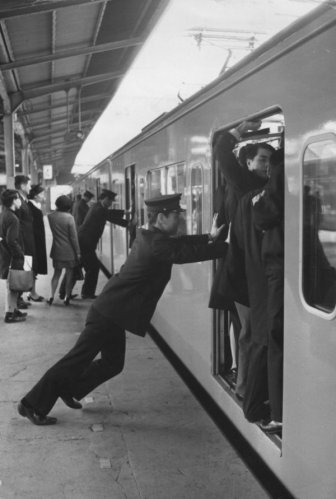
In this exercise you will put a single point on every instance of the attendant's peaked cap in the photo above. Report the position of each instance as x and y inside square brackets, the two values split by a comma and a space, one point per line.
[165, 204]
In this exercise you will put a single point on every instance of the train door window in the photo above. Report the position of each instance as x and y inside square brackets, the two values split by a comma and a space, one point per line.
[196, 199]
[319, 225]
[117, 188]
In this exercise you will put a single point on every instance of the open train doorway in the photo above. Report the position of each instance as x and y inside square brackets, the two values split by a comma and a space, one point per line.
[235, 292]
[130, 204]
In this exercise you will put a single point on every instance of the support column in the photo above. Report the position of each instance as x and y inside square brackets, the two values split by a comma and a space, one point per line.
[24, 159]
[9, 149]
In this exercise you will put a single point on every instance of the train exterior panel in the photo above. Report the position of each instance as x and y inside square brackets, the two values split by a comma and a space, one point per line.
[292, 76]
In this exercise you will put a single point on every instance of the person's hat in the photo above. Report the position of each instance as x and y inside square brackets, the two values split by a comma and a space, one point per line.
[108, 194]
[35, 191]
[165, 204]
[88, 194]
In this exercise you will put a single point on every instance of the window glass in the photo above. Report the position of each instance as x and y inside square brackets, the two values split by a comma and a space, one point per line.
[319, 225]
[196, 199]
[141, 201]
[156, 183]
[176, 183]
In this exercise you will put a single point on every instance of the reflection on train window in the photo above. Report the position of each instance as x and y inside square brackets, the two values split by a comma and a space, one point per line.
[156, 183]
[319, 225]
[117, 188]
[176, 183]
[196, 199]
[141, 201]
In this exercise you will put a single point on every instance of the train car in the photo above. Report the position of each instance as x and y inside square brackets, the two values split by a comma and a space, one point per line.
[288, 84]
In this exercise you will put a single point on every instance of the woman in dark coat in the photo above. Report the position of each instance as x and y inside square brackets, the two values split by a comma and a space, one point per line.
[11, 250]
[36, 197]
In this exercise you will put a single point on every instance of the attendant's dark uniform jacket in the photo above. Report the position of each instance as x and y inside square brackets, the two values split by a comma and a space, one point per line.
[130, 297]
[80, 211]
[92, 228]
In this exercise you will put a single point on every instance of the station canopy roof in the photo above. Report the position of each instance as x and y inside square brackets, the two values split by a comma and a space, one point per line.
[61, 62]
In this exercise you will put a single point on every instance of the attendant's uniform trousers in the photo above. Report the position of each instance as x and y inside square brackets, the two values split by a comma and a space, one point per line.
[91, 266]
[77, 373]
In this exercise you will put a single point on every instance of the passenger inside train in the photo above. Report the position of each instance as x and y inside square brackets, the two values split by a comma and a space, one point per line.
[244, 284]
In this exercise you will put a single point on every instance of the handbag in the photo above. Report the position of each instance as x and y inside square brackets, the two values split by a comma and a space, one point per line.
[78, 273]
[20, 280]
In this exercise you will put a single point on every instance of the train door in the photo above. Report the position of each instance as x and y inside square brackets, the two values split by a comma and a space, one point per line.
[228, 318]
[130, 205]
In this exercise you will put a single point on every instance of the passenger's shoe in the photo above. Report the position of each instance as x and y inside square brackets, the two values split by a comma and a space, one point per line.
[72, 297]
[39, 298]
[11, 317]
[18, 313]
[271, 426]
[89, 297]
[34, 418]
[71, 402]
[22, 305]
[50, 301]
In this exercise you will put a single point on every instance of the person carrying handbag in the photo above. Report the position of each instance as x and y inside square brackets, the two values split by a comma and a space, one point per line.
[12, 256]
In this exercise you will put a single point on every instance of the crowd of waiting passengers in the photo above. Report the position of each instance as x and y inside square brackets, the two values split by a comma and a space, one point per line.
[76, 229]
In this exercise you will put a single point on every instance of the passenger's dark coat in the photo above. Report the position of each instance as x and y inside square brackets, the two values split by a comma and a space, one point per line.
[12, 242]
[245, 252]
[130, 297]
[92, 228]
[26, 222]
[238, 179]
[40, 257]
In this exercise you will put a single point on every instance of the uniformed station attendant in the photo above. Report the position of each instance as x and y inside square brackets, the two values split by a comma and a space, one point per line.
[127, 302]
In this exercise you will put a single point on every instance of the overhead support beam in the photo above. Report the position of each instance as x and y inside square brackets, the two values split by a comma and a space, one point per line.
[60, 119]
[64, 54]
[53, 131]
[65, 85]
[59, 104]
[6, 102]
[29, 7]
[59, 147]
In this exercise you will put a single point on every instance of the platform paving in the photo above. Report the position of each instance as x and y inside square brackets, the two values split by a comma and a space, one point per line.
[139, 436]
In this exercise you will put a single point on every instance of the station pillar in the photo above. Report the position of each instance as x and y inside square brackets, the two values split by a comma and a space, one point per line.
[8, 121]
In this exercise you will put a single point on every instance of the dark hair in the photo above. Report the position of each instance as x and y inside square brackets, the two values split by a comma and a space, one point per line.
[63, 203]
[78, 197]
[35, 191]
[20, 179]
[251, 150]
[8, 196]
[107, 194]
[278, 157]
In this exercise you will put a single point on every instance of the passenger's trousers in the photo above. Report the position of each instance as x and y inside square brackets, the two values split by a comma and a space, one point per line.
[275, 312]
[243, 348]
[77, 373]
[256, 393]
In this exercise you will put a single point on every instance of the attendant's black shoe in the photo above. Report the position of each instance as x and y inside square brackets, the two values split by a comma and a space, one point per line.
[28, 412]
[89, 297]
[11, 317]
[71, 402]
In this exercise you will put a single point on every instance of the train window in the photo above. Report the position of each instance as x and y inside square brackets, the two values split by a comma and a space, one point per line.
[176, 183]
[319, 225]
[117, 188]
[196, 199]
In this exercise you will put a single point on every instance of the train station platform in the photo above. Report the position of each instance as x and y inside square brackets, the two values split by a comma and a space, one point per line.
[140, 436]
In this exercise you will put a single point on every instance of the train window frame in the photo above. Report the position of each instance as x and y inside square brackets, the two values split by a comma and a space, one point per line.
[319, 312]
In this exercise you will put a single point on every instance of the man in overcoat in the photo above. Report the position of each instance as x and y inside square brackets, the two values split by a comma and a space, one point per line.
[128, 301]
